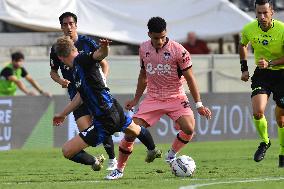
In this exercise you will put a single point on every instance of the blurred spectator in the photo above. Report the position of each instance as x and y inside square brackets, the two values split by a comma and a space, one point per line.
[245, 5]
[12, 73]
[194, 45]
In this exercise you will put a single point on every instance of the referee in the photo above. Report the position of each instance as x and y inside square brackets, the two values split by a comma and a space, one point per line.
[266, 36]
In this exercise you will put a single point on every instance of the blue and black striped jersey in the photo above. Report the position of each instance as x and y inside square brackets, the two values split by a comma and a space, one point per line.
[83, 44]
[91, 84]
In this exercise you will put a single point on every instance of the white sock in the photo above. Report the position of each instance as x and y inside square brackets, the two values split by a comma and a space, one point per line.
[112, 160]
[171, 153]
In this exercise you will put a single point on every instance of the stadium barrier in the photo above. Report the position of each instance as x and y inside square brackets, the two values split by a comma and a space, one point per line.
[26, 121]
[214, 73]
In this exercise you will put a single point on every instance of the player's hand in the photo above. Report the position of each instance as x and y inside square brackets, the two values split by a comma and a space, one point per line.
[130, 104]
[262, 63]
[64, 83]
[204, 111]
[58, 120]
[245, 76]
[105, 42]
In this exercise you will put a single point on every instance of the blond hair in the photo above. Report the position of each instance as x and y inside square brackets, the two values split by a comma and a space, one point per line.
[64, 46]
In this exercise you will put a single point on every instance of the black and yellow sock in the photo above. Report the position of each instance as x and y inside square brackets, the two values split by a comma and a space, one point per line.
[281, 140]
[261, 127]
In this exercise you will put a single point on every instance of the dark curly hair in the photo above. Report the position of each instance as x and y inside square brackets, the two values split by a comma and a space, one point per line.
[157, 25]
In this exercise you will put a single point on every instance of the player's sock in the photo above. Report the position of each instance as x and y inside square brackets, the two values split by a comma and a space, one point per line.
[171, 154]
[281, 140]
[83, 158]
[109, 147]
[125, 149]
[261, 127]
[180, 141]
[146, 138]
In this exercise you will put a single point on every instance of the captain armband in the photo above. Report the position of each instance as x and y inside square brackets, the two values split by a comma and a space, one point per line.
[244, 65]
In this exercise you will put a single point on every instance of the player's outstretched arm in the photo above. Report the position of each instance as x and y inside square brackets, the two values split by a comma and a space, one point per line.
[73, 105]
[103, 51]
[21, 85]
[59, 118]
[141, 86]
[105, 67]
[192, 85]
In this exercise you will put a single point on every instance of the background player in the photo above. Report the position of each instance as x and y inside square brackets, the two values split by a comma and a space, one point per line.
[68, 22]
[12, 73]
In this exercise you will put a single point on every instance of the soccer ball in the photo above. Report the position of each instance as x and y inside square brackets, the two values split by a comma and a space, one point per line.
[183, 166]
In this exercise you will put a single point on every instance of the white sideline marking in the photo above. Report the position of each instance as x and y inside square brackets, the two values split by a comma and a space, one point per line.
[81, 181]
[63, 181]
[195, 186]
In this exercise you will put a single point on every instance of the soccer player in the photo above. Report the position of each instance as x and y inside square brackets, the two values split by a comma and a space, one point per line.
[266, 36]
[164, 66]
[108, 115]
[68, 22]
[10, 78]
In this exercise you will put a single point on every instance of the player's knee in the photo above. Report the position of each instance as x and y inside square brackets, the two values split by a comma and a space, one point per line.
[66, 151]
[129, 138]
[188, 130]
[132, 130]
[258, 115]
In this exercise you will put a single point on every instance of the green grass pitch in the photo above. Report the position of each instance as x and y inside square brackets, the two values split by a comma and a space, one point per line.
[222, 165]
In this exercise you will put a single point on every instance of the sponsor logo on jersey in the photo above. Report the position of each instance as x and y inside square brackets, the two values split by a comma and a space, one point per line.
[65, 67]
[265, 42]
[183, 53]
[161, 69]
[167, 55]
[78, 84]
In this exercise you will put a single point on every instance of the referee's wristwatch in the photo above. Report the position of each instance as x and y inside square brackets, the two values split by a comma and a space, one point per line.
[270, 64]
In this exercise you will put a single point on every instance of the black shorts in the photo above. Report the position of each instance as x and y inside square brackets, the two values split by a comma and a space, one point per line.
[103, 126]
[265, 81]
[81, 111]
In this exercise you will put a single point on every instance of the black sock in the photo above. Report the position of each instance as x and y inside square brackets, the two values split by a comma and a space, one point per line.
[146, 138]
[109, 147]
[84, 158]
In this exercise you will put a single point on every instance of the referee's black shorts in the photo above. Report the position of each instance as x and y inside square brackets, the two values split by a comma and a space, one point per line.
[266, 81]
